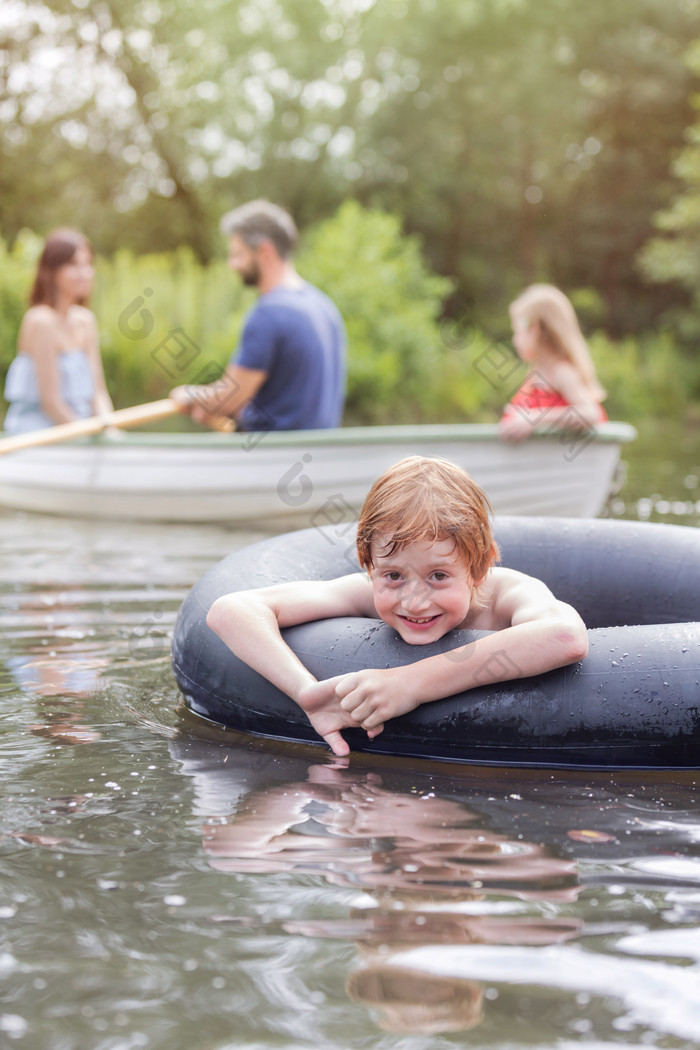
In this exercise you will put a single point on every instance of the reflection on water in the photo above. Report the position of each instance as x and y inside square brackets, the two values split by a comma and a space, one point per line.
[428, 868]
[463, 889]
[64, 671]
[661, 472]
[167, 885]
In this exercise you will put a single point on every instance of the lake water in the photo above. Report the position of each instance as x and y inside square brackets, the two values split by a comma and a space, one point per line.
[163, 885]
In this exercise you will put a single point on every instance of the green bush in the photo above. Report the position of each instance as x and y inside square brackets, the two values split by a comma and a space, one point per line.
[391, 304]
[164, 320]
[17, 268]
[644, 378]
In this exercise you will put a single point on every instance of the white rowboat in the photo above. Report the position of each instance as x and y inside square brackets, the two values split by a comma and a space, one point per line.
[302, 478]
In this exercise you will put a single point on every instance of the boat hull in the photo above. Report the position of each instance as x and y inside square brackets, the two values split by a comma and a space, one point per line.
[302, 478]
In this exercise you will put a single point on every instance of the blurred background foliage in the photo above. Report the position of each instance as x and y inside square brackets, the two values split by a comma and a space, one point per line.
[438, 155]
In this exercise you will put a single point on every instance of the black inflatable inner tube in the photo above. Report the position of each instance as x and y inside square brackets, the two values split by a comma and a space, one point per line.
[634, 701]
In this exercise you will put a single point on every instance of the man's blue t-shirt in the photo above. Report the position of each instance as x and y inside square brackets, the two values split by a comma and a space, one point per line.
[296, 336]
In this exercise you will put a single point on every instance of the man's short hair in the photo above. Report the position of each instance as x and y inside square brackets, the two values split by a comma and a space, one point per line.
[259, 221]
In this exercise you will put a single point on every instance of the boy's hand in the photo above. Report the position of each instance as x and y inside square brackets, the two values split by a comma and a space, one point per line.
[373, 696]
[320, 702]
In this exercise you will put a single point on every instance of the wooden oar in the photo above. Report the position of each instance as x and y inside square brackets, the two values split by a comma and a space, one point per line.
[123, 417]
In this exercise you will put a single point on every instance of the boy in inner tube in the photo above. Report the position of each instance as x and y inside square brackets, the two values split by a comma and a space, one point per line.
[427, 551]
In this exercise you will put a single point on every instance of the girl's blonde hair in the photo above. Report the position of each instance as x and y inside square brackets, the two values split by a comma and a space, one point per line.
[428, 500]
[548, 307]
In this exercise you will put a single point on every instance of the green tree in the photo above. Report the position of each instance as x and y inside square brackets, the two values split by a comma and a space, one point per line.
[517, 138]
[178, 110]
[527, 140]
[673, 256]
[634, 108]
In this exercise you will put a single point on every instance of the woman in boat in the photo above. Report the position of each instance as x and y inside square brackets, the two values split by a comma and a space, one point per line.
[57, 375]
[561, 390]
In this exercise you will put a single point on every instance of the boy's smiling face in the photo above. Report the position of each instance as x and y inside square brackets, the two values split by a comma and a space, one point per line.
[422, 591]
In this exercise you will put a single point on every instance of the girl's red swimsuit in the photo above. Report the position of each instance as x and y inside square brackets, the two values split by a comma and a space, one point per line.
[535, 398]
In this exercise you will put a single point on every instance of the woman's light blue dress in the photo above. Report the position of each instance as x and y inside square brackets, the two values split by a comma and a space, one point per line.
[22, 391]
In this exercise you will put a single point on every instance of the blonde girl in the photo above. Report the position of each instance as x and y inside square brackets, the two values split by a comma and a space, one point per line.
[561, 388]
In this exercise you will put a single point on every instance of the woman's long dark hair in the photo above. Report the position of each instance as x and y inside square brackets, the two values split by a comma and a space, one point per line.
[60, 247]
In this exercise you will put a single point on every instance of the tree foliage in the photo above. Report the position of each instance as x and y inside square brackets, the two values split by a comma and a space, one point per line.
[391, 304]
[519, 139]
[674, 254]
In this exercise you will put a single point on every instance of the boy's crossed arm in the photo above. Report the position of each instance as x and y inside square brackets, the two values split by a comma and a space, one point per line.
[249, 623]
[533, 633]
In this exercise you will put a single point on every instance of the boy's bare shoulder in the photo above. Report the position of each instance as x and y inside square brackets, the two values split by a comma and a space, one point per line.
[506, 594]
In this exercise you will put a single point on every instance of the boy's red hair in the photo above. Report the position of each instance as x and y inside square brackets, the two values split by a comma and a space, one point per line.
[422, 500]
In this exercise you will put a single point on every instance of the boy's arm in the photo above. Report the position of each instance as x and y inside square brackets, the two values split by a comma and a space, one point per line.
[533, 633]
[249, 623]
